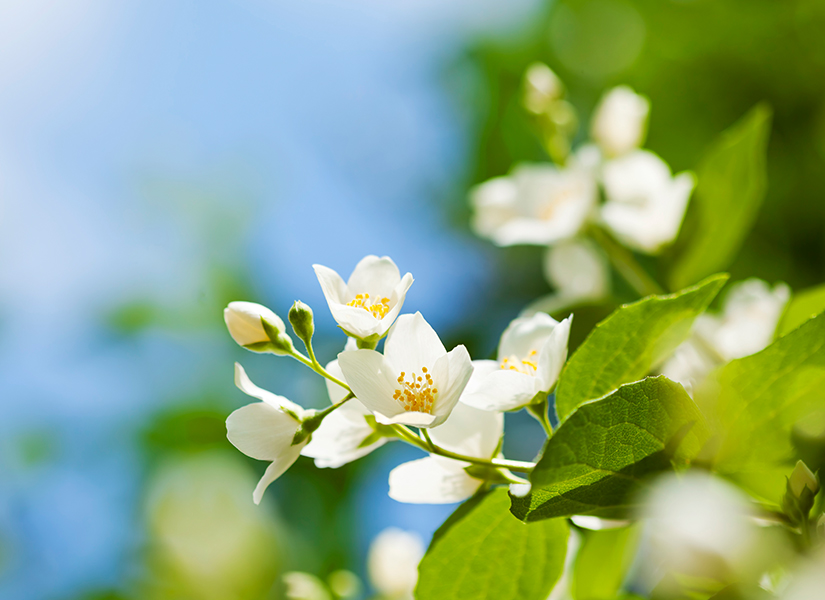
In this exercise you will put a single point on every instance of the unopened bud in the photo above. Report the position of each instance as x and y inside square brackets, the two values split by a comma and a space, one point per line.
[541, 88]
[802, 478]
[300, 317]
[256, 328]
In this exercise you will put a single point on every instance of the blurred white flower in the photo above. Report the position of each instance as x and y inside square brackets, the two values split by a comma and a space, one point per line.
[305, 586]
[698, 524]
[339, 439]
[746, 325]
[808, 583]
[536, 204]
[578, 270]
[265, 430]
[531, 354]
[392, 563]
[541, 87]
[620, 121]
[645, 204]
[368, 303]
[415, 382]
[244, 322]
[439, 480]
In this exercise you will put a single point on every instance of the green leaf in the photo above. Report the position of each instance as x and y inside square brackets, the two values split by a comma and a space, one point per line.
[482, 552]
[755, 401]
[803, 306]
[596, 461]
[630, 342]
[602, 563]
[731, 185]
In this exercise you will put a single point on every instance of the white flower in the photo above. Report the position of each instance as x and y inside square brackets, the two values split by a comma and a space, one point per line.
[244, 322]
[439, 480]
[620, 122]
[698, 524]
[746, 325]
[541, 87]
[264, 430]
[305, 586]
[645, 205]
[531, 353]
[536, 204]
[368, 303]
[578, 270]
[392, 563]
[339, 439]
[415, 382]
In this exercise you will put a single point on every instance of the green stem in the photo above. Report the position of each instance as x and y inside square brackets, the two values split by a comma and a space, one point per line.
[315, 366]
[426, 444]
[332, 407]
[539, 412]
[626, 264]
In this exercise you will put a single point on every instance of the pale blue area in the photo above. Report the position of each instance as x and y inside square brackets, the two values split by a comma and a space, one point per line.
[142, 143]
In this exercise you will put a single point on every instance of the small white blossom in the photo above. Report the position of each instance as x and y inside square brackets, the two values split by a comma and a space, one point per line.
[392, 563]
[415, 382]
[243, 320]
[265, 430]
[531, 354]
[620, 121]
[368, 303]
[439, 480]
[578, 270]
[541, 87]
[645, 204]
[750, 313]
[339, 439]
[536, 204]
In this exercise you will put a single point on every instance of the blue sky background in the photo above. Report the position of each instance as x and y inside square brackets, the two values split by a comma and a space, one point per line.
[143, 145]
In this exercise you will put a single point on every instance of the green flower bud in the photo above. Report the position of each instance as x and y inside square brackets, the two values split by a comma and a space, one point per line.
[301, 319]
[542, 88]
[256, 328]
[802, 478]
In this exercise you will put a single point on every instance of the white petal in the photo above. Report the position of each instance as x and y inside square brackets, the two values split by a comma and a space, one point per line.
[502, 390]
[553, 355]
[355, 320]
[243, 320]
[245, 384]
[335, 391]
[278, 467]
[332, 285]
[524, 335]
[399, 294]
[261, 431]
[412, 344]
[375, 276]
[338, 440]
[577, 269]
[493, 203]
[372, 381]
[451, 374]
[413, 418]
[481, 368]
[431, 481]
[620, 119]
[470, 431]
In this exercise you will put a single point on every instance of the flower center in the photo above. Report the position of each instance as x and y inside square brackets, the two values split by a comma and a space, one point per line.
[378, 309]
[417, 394]
[528, 365]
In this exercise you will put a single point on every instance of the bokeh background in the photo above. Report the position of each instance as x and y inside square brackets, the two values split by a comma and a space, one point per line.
[158, 160]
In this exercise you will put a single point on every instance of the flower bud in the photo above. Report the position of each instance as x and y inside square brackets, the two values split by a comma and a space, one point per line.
[541, 88]
[300, 317]
[256, 328]
[802, 478]
[620, 122]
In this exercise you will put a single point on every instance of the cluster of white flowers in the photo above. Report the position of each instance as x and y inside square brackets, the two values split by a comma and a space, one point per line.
[455, 403]
[608, 183]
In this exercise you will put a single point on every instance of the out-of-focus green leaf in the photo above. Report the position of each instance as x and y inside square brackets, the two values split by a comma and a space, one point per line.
[731, 185]
[803, 305]
[602, 563]
[483, 552]
[596, 461]
[754, 402]
[630, 342]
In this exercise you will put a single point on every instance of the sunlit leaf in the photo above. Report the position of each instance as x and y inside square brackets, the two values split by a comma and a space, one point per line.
[802, 306]
[602, 563]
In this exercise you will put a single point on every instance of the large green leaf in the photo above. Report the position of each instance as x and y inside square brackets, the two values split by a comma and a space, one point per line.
[630, 342]
[483, 553]
[802, 306]
[602, 563]
[754, 402]
[596, 461]
[731, 185]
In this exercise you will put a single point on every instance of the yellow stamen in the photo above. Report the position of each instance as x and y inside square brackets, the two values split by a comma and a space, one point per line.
[418, 394]
[378, 309]
[528, 365]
